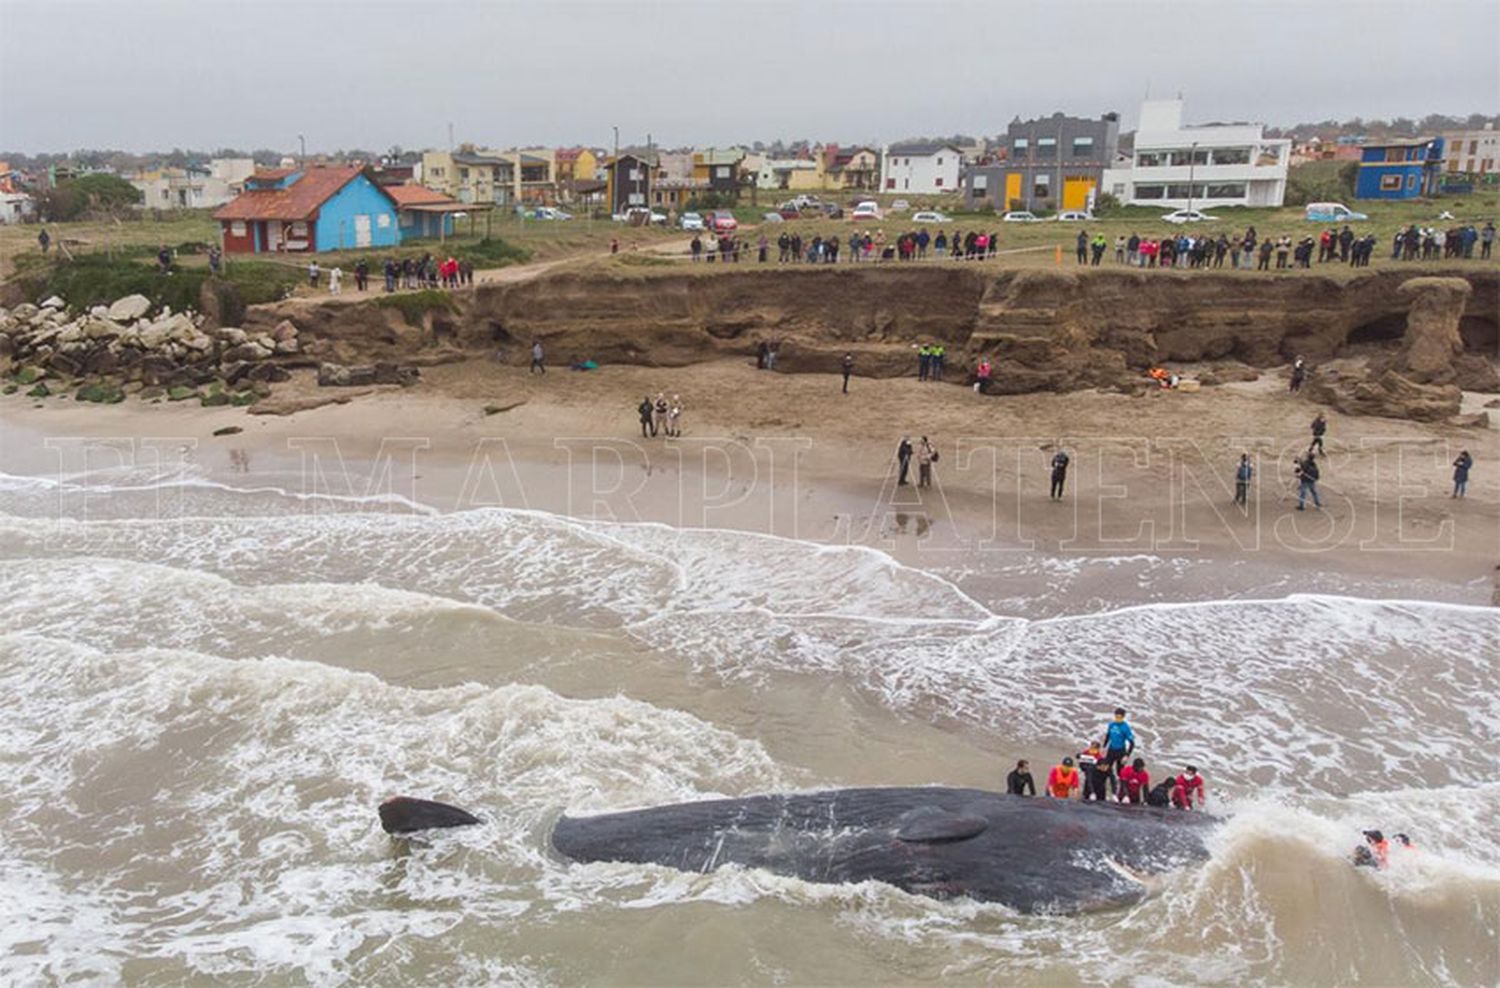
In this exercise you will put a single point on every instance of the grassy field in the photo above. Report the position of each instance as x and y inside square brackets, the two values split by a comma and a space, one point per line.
[189, 233]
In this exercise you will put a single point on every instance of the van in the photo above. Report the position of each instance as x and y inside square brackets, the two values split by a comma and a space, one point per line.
[1332, 212]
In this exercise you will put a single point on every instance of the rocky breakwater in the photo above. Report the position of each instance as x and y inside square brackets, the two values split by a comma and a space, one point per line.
[112, 351]
[1425, 377]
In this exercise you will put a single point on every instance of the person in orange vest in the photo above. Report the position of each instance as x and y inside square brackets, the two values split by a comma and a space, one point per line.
[1375, 852]
[1063, 782]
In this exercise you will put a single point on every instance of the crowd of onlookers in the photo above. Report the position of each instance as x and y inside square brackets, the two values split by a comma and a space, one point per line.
[1249, 251]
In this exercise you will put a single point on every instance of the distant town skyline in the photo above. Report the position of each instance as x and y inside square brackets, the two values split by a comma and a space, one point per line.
[150, 75]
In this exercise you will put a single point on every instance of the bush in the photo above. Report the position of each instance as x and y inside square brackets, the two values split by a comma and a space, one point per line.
[494, 252]
[414, 306]
[1321, 181]
[88, 195]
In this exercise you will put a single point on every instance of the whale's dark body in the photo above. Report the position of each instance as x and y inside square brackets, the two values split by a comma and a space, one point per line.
[1034, 855]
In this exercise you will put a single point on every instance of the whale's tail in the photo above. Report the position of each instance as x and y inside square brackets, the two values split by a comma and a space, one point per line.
[405, 815]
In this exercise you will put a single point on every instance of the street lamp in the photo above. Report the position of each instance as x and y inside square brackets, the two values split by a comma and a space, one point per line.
[1192, 165]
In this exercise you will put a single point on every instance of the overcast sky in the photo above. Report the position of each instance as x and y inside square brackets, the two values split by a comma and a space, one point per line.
[155, 74]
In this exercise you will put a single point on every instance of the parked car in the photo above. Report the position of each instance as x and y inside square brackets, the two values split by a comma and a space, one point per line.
[721, 221]
[1188, 216]
[1075, 216]
[772, 218]
[1332, 212]
[832, 210]
[640, 216]
[1020, 216]
[691, 221]
[930, 216]
[550, 213]
[900, 206]
[803, 201]
[867, 210]
[789, 212]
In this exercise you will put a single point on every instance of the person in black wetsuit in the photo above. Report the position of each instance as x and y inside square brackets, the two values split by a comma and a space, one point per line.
[903, 457]
[1019, 782]
[1059, 474]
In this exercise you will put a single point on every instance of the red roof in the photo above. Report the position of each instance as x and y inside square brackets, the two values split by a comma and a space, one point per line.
[298, 201]
[415, 195]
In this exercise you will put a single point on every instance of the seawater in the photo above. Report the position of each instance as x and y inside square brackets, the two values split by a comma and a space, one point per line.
[204, 708]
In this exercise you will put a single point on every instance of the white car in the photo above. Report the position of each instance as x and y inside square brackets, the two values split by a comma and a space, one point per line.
[930, 217]
[773, 218]
[1187, 216]
[1020, 217]
[900, 206]
[867, 210]
[1075, 216]
[692, 221]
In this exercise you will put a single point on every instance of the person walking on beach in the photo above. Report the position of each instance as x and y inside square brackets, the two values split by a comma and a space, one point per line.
[674, 417]
[903, 457]
[1307, 482]
[1242, 475]
[648, 428]
[847, 366]
[927, 454]
[1059, 474]
[536, 358]
[1461, 473]
[312, 274]
[44, 241]
[659, 410]
[1081, 247]
[1299, 374]
[336, 281]
[1019, 781]
[982, 375]
[924, 361]
[1319, 428]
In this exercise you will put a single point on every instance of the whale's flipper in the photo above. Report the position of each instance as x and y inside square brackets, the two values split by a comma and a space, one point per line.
[930, 825]
[405, 815]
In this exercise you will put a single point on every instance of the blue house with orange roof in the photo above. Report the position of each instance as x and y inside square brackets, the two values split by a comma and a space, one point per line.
[1403, 170]
[306, 210]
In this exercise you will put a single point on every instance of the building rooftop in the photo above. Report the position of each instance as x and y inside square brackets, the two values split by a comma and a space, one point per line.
[921, 147]
[298, 201]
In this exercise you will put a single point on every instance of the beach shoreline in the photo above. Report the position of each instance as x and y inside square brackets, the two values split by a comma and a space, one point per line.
[789, 456]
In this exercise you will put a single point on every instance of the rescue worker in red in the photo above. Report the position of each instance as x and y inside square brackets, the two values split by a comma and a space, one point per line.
[1186, 786]
[1375, 852]
[1134, 782]
[1063, 781]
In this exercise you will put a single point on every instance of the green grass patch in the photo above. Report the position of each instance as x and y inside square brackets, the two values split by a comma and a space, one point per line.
[414, 306]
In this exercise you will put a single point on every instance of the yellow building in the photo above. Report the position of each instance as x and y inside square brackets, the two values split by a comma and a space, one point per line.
[469, 175]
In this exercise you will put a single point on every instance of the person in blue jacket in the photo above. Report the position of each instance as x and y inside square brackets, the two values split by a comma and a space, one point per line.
[1119, 742]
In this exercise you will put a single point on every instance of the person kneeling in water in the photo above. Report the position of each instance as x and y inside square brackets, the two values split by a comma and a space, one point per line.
[1019, 782]
[1134, 783]
[1185, 786]
[1374, 852]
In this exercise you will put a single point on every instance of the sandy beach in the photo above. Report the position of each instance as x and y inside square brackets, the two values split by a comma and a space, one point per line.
[790, 455]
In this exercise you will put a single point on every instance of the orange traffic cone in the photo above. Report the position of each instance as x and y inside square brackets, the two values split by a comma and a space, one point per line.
[1057, 258]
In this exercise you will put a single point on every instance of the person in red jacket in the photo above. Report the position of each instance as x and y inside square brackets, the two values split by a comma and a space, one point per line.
[1063, 782]
[1134, 782]
[1186, 786]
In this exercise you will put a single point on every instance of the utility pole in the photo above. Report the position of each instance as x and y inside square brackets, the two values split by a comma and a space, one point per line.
[302, 142]
[1192, 166]
[450, 136]
[614, 175]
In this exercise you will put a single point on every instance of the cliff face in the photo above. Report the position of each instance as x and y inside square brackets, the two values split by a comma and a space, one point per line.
[1044, 330]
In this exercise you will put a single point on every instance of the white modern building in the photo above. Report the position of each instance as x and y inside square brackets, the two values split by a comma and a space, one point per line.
[923, 169]
[1176, 166]
[16, 207]
[194, 187]
[1472, 152]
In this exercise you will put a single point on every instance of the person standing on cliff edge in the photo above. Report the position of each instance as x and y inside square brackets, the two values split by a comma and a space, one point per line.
[1059, 474]
[536, 358]
[847, 366]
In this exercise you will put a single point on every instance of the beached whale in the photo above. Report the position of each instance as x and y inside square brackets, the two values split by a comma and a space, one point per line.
[1034, 855]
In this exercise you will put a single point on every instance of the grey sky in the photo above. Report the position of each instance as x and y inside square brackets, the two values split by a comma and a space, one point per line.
[154, 74]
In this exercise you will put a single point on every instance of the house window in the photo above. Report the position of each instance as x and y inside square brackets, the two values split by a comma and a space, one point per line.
[1118, 190]
[940, 161]
[722, 171]
[1046, 143]
[635, 174]
[1473, 147]
[463, 174]
[237, 228]
[981, 182]
[1411, 183]
[1020, 144]
[298, 229]
[890, 183]
[1150, 159]
[906, 183]
[437, 172]
[937, 183]
[1041, 186]
[1226, 190]
[1231, 156]
[1083, 147]
[383, 220]
[1188, 156]
[1149, 192]
[1390, 183]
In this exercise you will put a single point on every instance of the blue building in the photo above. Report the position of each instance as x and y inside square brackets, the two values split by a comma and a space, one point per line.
[1405, 170]
[304, 210]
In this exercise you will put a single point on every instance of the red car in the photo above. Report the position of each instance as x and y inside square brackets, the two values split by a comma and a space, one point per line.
[720, 221]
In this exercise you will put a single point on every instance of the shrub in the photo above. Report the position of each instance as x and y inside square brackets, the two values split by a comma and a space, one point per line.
[88, 195]
[414, 306]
